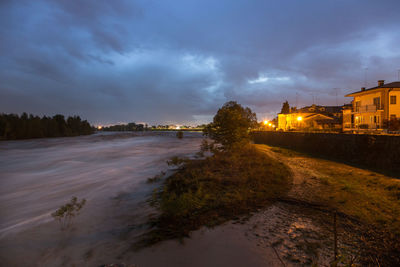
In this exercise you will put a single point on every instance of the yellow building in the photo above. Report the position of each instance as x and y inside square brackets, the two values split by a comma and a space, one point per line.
[311, 118]
[372, 107]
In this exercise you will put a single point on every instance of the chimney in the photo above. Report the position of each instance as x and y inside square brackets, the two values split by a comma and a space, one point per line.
[381, 82]
[362, 88]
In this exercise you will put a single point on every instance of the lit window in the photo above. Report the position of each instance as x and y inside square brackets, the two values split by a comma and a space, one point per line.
[393, 100]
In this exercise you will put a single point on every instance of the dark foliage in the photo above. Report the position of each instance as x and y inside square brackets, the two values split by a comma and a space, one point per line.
[285, 108]
[179, 134]
[14, 127]
[392, 125]
[213, 190]
[231, 125]
[125, 127]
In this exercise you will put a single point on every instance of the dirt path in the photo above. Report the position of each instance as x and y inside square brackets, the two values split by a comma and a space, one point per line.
[302, 170]
[300, 228]
[295, 232]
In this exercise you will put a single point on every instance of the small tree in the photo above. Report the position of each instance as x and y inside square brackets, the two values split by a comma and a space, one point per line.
[179, 134]
[67, 212]
[285, 108]
[231, 125]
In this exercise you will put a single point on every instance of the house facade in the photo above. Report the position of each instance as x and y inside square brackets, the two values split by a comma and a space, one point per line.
[311, 118]
[372, 107]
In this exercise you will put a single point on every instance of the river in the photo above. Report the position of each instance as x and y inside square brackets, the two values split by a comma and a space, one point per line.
[109, 170]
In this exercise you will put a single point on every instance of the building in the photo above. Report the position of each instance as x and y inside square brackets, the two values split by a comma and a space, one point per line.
[372, 108]
[311, 118]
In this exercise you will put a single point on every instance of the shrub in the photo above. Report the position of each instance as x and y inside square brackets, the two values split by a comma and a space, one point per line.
[179, 134]
[213, 190]
[67, 212]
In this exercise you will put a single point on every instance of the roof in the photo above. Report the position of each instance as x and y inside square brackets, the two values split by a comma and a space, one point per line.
[387, 85]
[317, 115]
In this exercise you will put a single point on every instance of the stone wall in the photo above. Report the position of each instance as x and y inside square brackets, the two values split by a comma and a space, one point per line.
[380, 152]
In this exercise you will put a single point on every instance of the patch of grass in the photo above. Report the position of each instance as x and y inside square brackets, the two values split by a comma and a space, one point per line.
[374, 199]
[371, 197]
[286, 152]
[156, 178]
[216, 189]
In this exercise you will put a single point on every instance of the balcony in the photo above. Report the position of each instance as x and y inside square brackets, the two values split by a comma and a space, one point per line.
[368, 108]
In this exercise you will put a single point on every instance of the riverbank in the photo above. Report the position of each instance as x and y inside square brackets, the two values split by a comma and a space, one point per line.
[299, 229]
[219, 188]
[111, 172]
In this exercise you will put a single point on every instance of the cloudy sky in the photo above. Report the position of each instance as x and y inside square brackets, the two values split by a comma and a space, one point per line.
[171, 61]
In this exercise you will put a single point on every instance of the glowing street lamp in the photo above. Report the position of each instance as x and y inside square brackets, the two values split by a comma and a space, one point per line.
[265, 122]
[299, 118]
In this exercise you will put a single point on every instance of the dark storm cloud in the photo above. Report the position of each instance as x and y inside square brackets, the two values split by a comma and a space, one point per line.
[178, 61]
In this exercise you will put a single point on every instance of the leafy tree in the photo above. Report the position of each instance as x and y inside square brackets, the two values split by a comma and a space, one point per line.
[285, 108]
[231, 125]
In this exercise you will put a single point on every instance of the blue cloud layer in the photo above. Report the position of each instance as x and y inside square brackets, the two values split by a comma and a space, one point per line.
[178, 61]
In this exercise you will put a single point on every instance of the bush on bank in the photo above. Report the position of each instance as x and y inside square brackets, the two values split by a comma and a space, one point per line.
[216, 189]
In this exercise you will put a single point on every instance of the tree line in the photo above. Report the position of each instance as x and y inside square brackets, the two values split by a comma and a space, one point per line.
[14, 127]
[125, 127]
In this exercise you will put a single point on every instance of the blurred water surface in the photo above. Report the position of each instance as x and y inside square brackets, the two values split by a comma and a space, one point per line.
[37, 176]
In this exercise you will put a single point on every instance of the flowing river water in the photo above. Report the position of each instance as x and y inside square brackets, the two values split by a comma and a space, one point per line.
[109, 170]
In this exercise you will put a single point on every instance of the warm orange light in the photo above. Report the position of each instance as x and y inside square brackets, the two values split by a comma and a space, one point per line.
[265, 122]
[299, 118]
[99, 127]
[269, 124]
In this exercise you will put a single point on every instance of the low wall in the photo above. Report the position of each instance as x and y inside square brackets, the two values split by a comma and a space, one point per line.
[381, 152]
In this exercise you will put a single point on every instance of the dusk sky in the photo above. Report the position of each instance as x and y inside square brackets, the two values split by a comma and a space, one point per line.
[178, 61]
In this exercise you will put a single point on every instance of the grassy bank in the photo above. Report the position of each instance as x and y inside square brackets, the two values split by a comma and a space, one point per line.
[371, 197]
[369, 203]
[216, 189]
[380, 153]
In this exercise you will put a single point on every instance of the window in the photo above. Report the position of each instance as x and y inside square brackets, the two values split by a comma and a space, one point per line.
[358, 104]
[377, 102]
[392, 100]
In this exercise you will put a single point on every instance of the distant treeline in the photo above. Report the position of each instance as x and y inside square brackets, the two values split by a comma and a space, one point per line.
[124, 127]
[14, 127]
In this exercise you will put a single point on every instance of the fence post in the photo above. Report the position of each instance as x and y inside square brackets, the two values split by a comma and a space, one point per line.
[335, 235]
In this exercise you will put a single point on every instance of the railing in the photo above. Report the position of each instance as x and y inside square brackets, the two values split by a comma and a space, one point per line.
[368, 108]
[361, 126]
